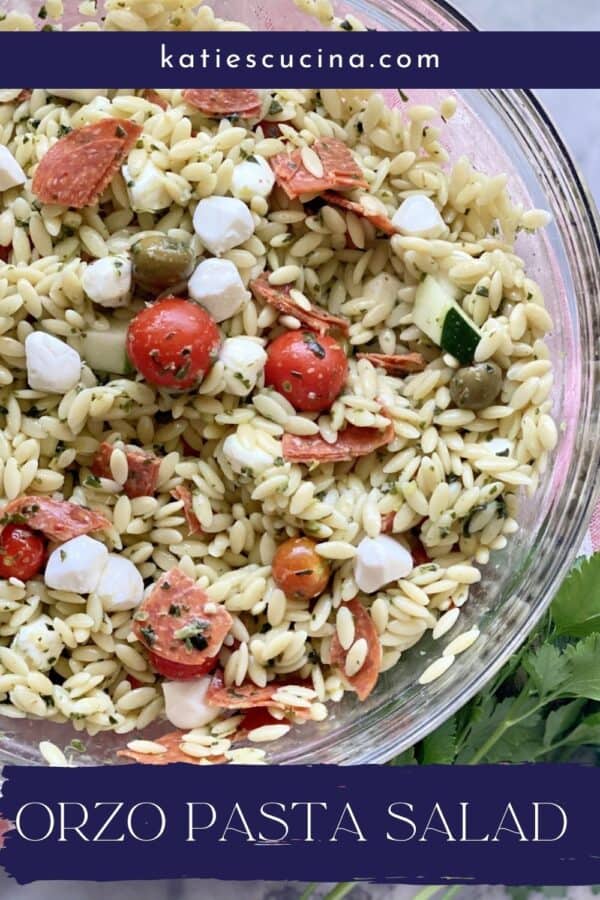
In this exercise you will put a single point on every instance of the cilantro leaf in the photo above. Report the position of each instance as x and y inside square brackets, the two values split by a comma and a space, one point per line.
[439, 747]
[587, 732]
[547, 668]
[576, 607]
[584, 663]
[561, 719]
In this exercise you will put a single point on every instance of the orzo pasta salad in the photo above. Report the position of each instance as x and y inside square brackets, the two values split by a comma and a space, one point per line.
[272, 377]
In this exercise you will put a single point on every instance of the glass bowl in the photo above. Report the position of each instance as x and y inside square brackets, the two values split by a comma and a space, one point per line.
[500, 131]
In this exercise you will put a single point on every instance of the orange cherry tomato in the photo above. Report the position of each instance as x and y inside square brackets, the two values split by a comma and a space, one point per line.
[298, 570]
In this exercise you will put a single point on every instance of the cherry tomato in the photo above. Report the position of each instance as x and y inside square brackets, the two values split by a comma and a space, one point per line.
[173, 343]
[22, 552]
[179, 671]
[299, 570]
[257, 718]
[308, 369]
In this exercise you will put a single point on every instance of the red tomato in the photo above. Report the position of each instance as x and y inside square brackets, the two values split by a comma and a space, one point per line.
[22, 552]
[298, 570]
[179, 671]
[257, 717]
[173, 343]
[309, 370]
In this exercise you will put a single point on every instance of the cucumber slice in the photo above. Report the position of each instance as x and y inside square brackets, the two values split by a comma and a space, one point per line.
[437, 313]
[105, 351]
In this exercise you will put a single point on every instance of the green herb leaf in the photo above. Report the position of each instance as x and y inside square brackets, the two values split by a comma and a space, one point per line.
[576, 607]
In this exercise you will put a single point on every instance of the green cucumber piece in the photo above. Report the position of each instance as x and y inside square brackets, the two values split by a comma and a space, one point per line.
[439, 316]
[105, 351]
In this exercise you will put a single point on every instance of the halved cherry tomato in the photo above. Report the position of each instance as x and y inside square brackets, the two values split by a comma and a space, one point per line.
[173, 343]
[176, 671]
[22, 552]
[298, 570]
[308, 369]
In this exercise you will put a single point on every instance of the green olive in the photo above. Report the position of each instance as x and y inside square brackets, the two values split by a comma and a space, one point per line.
[160, 262]
[476, 387]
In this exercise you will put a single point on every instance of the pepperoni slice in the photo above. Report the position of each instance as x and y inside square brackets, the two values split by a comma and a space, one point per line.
[226, 102]
[396, 363]
[176, 671]
[58, 520]
[247, 695]
[143, 467]
[366, 678]
[174, 623]
[378, 219]
[153, 96]
[78, 167]
[316, 319]
[340, 170]
[181, 492]
[351, 443]
[173, 753]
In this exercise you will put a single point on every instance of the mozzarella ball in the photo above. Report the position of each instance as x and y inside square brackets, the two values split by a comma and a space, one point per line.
[222, 223]
[121, 586]
[76, 565]
[147, 190]
[39, 644]
[419, 216]
[379, 561]
[11, 173]
[107, 281]
[244, 359]
[245, 457]
[52, 365]
[216, 285]
[185, 705]
[252, 178]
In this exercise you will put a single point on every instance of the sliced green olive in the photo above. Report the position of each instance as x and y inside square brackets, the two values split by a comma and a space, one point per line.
[160, 262]
[476, 387]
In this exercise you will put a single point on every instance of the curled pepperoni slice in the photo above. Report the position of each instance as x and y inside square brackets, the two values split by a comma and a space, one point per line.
[366, 678]
[181, 492]
[316, 319]
[58, 520]
[172, 754]
[143, 466]
[78, 167]
[153, 96]
[378, 219]
[396, 363]
[226, 102]
[177, 622]
[340, 170]
[176, 671]
[248, 695]
[351, 443]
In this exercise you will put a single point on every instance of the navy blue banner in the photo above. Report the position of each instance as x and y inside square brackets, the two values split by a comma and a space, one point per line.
[432, 824]
[302, 59]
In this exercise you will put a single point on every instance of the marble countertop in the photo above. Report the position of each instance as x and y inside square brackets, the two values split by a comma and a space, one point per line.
[576, 116]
